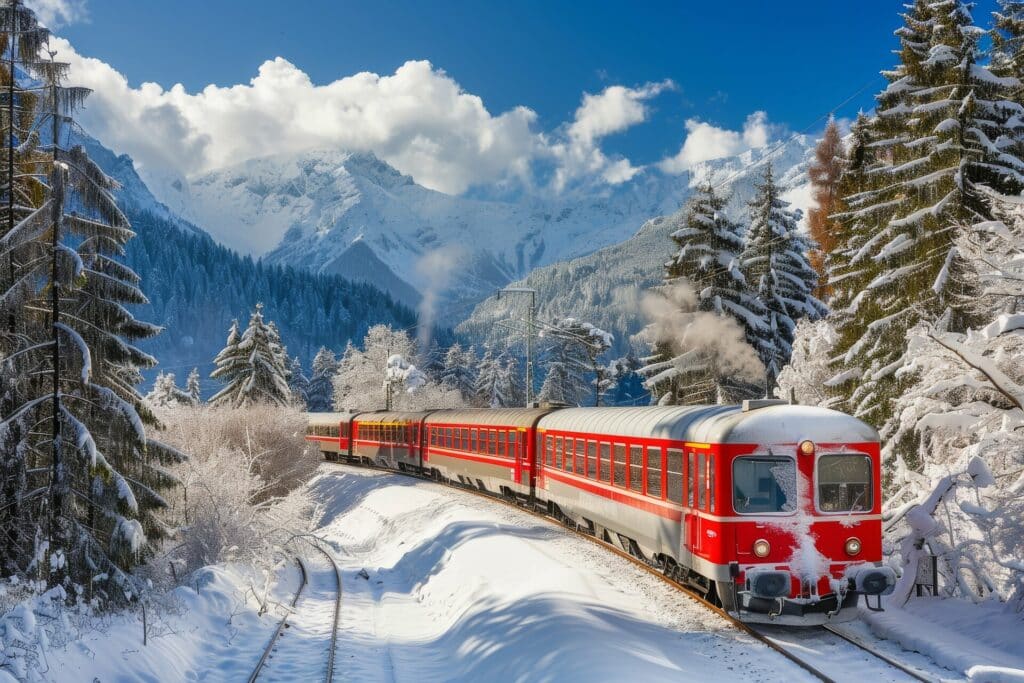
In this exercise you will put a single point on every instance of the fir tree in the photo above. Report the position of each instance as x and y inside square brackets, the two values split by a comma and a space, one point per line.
[1008, 40]
[71, 355]
[298, 382]
[252, 366]
[325, 365]
[192, 387]
[166, 394]
[706, 261]
[459, 371]
[774, 260]
[944, 128]
[567, 367]
[498, 384]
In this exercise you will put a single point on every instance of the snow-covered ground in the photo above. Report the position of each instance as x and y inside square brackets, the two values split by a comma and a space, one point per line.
[441, 585]
[459, 588]
[983, 641]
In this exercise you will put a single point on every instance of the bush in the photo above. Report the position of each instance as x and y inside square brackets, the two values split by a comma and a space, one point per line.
[241, 495]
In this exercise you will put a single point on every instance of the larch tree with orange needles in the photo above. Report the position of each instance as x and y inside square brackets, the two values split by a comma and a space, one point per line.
[825, 171]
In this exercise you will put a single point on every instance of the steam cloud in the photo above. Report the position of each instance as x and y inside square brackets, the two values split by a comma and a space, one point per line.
[435, 269]
[675, 319]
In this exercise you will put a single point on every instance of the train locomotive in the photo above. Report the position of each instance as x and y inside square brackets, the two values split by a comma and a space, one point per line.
[770, 510]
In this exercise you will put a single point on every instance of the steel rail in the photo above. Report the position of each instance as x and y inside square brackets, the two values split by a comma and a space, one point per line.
[891, 661]
[329, 673]
[281, 624]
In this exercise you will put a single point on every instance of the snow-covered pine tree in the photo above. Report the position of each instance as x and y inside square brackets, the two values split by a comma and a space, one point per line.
[76, 367]
[252, 366]
[707, 259]
[433, 360]
[298, 383]
[825, 172]
[359, 382]
[1008, 40]
[460, 370]
[943, 128]
[488, 380]
[192, 387]
[567, 365]
[166, 393]
[498, 384]
[21, 227]
[775, 262]
[318, 395]
[513, 382]
[847, 271]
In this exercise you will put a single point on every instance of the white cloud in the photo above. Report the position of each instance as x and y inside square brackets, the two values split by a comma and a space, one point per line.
[54, 13]
[613, 110]
[418, 119]
[705, 141]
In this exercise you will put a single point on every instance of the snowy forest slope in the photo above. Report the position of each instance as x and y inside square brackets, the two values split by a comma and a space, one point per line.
[331, 211]
[604, 287]
[196, 286]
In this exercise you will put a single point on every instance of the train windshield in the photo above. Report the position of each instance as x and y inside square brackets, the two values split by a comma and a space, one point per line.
[844, 483]
[764, 484]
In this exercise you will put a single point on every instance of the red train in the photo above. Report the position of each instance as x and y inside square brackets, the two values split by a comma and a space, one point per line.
[771, 510]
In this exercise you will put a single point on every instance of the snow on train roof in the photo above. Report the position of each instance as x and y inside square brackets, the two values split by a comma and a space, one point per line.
[715, 424]
[326, 418]
[509, 417]
[392, 416]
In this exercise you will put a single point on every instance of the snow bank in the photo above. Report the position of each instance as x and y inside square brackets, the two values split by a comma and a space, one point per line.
[980, 640]
[211, 630]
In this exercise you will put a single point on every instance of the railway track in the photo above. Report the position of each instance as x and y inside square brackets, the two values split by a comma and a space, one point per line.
[774, 643]
[331, 620]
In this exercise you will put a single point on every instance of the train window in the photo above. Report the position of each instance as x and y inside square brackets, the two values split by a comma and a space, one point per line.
[512, 444]
[711, 483]
[691, 479]
[433, 435]
[581, 457]
[569, 454]
[592, 459]
[636, 468]
[343, 429]
[501, 444]
[558, 452]
[674, 476]
[549, 450]
[844, 483]
[702, 477]
[492, 442]
[604, 467]
[654, 471]
[472, 440]
[764, 484]
[620, 464]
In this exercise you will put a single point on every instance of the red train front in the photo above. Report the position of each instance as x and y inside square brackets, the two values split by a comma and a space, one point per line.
[770, 509]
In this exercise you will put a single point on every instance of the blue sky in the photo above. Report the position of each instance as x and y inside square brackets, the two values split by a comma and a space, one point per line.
[793, 60]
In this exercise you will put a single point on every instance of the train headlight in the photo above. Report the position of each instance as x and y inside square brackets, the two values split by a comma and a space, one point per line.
[853, 546]
[762, 547]
[806, 448]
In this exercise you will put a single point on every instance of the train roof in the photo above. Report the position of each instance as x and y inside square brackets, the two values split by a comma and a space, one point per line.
[327, 418]
[716, 424]
[390, 416]
[506, 417]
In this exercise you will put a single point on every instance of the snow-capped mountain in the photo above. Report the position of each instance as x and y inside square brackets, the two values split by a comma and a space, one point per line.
[604, 287]
[354, 215]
